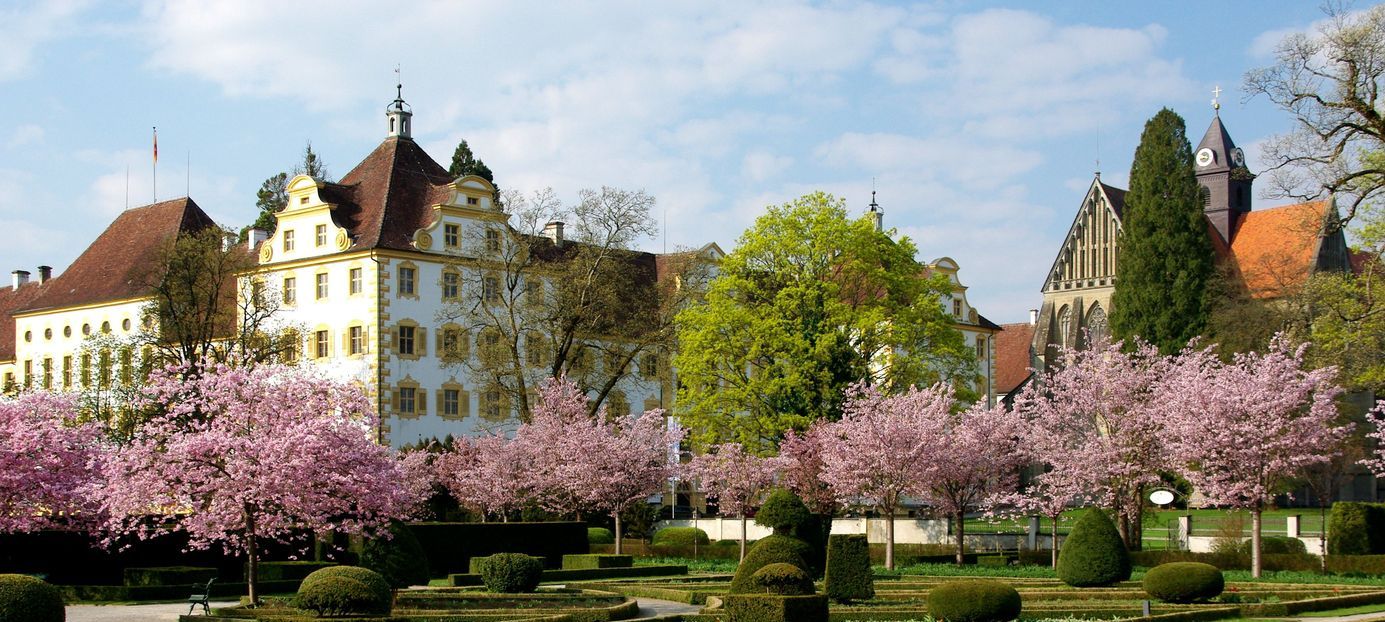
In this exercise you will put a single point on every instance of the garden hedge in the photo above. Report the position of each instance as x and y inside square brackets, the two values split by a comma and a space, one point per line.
[450, 546]
[511, 573]
[769, 550]
[585, 574]
[1356, 528]
[345, 590]
[182, 576]
[782, 579]
[773, 608]
[1276, 545]
[681, 536]
[1184, 582]
[1093, 555]
[26, 599]
[783, 512]
[75, 558]
[974, 601]
[289, 571]
[849, 576]
[398, 558]
[600, 535]
[581, 562]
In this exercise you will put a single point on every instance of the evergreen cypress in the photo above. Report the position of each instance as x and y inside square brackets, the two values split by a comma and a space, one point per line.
[1093, 554]
[1166, 258]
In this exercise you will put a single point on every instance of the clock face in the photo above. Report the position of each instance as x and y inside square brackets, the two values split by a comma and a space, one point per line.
[1238, 157]
[1205, 157]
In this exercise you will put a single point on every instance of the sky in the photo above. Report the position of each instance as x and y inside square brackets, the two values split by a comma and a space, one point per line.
[979, 124]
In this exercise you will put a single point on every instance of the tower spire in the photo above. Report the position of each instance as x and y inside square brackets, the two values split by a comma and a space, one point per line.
[877, 215]
[399, 113]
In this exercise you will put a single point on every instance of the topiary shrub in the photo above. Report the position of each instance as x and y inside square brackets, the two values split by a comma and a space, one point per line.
[1355, 528]
[1184, 582]
[974, 601]
[26, 599]
[345, 590]
[681, 536]
[774, 549]
[775, 608]
[783, 579]
[1093, 555]
[398, 558]
[848, 575]
[783, 512]
[511, 573]
[600, 535]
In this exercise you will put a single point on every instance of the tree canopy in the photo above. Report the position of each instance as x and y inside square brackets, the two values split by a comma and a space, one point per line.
[1166, 260]
[807, 304]
[273, 193]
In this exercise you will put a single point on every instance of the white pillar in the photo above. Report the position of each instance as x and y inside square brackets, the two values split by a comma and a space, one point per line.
[1291, 525]
[1032, 542]
[1185, 531]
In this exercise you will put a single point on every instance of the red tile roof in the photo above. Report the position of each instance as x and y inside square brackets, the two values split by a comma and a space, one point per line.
[118, 265]
[1012, 356]
[1274, 249]
[389, 195]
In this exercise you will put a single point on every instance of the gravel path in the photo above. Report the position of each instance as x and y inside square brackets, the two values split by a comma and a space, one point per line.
[649, 608]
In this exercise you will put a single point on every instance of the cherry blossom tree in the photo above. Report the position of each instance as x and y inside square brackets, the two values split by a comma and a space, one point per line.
[735, 478]
[629, 459]
[1048, 495]
[1243, 431]
[240, 456]
[801, 454]
[875, 453]
[975, 456]
[48, 463]
[1093, 421]
[558, 435]
[489, 475]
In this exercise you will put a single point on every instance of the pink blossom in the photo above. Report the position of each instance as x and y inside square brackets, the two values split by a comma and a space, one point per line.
[49, 463]
[489, 475]
[735, 478]
[237, 456]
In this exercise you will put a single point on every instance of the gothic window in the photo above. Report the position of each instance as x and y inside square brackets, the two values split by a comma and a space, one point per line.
[1064, 328]
[1097, 327]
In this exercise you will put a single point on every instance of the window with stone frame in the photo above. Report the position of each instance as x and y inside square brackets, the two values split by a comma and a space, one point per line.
[290, 291]
[451, 285]
[408, 275]
[321, 283]
[492, 241]
[322, 344]
[355, 340]
[406, 340]
[451, 235]
[454, 343]
[288, 240]
[410, 400]
[354, 277]
[490, 289]
[453, 401]
[320, 236]
[649, 366]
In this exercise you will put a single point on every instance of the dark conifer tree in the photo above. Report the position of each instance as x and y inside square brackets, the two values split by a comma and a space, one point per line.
[1166, 258]
[464, 162]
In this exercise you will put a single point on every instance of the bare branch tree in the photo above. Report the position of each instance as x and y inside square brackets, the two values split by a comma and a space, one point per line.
[1329, 81]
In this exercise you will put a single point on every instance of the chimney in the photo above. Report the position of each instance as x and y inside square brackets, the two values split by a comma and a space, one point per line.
[19, 277]
[1033, 317]
[554, 231]
[257, 237]
[45, 273]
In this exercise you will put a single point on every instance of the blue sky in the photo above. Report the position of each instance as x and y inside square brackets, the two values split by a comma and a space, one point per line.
[980, 122]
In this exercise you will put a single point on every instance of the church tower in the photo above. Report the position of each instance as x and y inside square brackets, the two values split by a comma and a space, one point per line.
[1226, 182]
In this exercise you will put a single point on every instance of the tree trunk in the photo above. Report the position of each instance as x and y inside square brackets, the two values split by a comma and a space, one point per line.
[252, 570]
[1322, 508]
[618, 534]
[1054, 535]
[1137, 526]
[743, 536]
[961, 538]
[889, 540]
[1255, 543]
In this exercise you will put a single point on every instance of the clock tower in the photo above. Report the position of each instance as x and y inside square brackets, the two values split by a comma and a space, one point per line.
[1220, 167]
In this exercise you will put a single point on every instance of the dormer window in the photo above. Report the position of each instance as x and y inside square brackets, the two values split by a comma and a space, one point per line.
[473, 201]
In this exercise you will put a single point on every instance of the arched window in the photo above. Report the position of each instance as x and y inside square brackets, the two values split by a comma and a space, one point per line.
[1098, 330]
[1064, 326]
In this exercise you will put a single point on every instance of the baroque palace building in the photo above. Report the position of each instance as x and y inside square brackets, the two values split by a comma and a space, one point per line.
[1269, 252]
[364, 268]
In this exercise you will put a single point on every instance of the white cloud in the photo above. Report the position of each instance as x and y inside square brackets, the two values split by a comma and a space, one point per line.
[758, 166]
[24, 29]
[27, 134]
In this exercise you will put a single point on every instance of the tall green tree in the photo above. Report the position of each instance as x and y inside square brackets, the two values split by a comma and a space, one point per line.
[273, 193]
[1166, 264]
[810, 302]
[464, 162]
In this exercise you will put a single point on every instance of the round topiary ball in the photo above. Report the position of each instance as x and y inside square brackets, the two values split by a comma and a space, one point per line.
[600, 535]
[1093, 555]
[783, 579]
[511, 573]
[26, 599]
[345, 590]
[774, 549]
[681, 536]
[1184, 582]
[974, 601]
[784, 512]
[399, 558]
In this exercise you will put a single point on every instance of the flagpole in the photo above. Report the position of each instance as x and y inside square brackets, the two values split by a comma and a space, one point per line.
[156, 164]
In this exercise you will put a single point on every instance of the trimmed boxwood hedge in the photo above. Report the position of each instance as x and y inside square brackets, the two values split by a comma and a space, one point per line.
[345, 590]
[774, 608]
[181, 576]
[582, 562]
[681, 536]
[289, 571]
[600, 535]
[1356, 528]
[398, 558]
[974, 601]
[783, 579]
[848, 575]
[1093, 555]
[1184, 582]
[769, 550]
[26, 599]
[477, 563]
[511, 573]
[1276, 545]
[450, 546]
